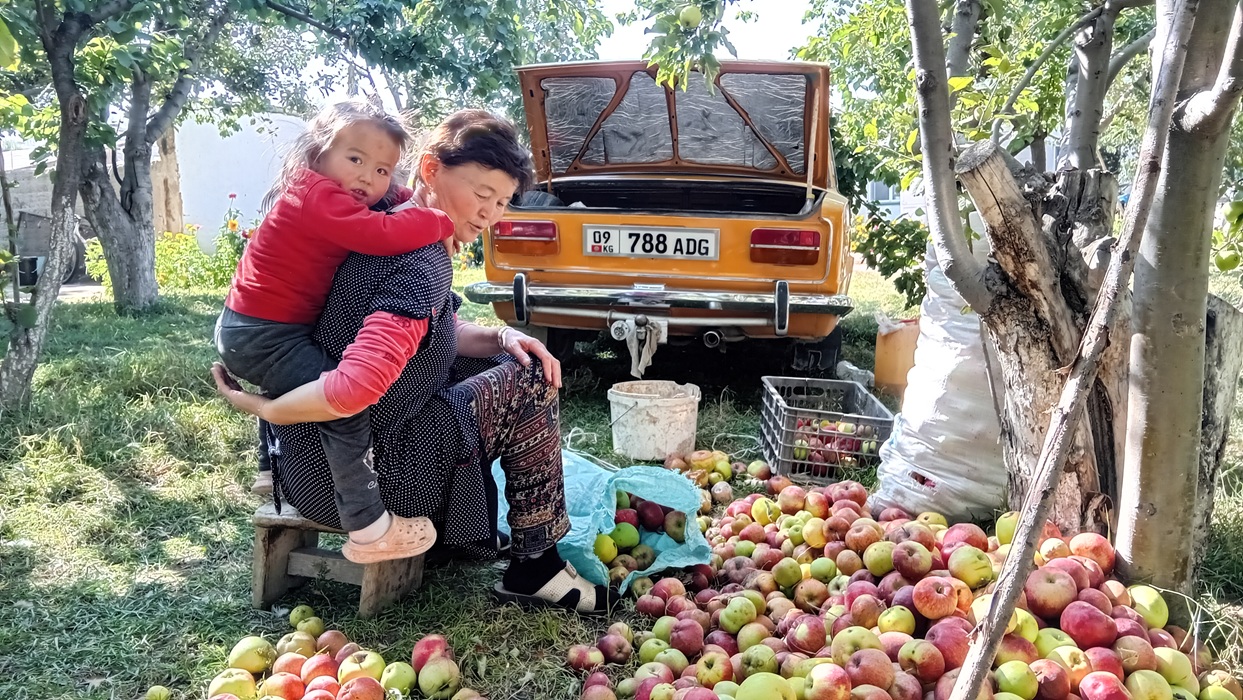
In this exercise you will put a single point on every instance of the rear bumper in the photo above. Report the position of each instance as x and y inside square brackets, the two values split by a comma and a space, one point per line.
[652, 300]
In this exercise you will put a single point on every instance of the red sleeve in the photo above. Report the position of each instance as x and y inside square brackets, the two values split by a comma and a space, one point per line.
[334, 215]
[373, 361]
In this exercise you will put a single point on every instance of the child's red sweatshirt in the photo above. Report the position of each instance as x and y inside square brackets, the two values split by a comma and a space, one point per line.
[287, 269]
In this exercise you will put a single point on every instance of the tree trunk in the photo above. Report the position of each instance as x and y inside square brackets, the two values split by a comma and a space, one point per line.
[1036, 322]
[1161, 479]
[26, 343]
[1039, 157]
[1223, 360]
[127, 233]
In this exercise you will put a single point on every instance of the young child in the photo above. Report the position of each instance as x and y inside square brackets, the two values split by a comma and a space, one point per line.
[322, 208]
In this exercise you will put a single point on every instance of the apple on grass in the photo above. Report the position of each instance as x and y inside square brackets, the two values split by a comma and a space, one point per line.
[428, 648]
[440, 678]
[362, 663]
[399, 676]
[234, 681]
[580, 657]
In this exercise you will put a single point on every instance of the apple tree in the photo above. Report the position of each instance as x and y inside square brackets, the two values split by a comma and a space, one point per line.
[124, 71]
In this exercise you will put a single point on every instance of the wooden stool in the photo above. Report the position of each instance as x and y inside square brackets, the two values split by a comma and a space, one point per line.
[287, 554]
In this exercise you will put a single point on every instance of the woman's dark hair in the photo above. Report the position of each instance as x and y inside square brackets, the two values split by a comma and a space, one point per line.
[478, 136]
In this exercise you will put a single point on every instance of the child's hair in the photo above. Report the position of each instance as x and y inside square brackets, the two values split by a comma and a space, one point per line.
[478, 136]
[308, 147]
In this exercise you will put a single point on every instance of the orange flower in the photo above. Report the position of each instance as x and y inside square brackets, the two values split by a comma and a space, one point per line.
[232, 224]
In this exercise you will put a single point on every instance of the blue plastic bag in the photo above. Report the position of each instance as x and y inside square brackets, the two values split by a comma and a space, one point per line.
[591, 498]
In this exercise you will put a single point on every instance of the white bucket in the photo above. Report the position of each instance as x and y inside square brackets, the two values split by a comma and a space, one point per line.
[654, 419]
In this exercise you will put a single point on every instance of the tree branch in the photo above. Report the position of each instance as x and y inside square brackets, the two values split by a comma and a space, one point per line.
[111, 9]
[186, 80]
[962, 29]
[1008, 107]
[1092, 48]
[937, 142]
[1060, 436]
[304, 17]
[1131, 50]
[1208, 108]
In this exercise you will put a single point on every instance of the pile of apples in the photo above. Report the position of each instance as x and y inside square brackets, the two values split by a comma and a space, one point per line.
[312, 663]
[807, 597]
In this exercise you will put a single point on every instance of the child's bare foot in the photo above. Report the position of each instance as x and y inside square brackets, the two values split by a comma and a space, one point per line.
[406, 537]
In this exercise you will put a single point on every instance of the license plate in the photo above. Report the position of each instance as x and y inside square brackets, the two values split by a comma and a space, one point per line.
[651, 242]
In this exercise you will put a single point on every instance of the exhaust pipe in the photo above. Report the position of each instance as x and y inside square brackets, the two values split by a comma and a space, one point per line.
[711, 339]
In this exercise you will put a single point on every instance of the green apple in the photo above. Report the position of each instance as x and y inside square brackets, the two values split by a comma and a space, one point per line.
[299, 614]
[690, 16]
[361, 663]
[971, 566]
[1051, 638]
[1150, 605]
[878, 558]
[744, 548]
[398, 676]
[254, 654]
[625, 536]
[1018, 678]
[1149, 685]
[235, 681]
[897, 619]
[765, 686]
[725, 688]
[1006, 524]
[979, 612]
[605, 548]
[737, 613]
[663, 628]
[312, 626]
[1027, 628]
[650, 648]
[1175, 667]
[787, 572]
[158, 692]
[1006, 696]
[823, 569]
[674, 659]
[1210, 692]
[623, 500]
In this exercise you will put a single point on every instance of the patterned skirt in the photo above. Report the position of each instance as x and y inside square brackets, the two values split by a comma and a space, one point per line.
[438, 464]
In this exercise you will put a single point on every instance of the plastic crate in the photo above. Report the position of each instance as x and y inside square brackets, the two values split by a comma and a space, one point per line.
[817, 428]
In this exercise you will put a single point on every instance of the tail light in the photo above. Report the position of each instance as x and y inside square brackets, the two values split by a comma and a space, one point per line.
[525, 237]
[783, 246]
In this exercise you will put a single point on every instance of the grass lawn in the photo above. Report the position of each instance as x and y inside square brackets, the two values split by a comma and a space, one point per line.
[125, 541]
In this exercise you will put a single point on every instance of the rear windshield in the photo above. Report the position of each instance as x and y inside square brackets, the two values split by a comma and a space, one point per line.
[711, 129]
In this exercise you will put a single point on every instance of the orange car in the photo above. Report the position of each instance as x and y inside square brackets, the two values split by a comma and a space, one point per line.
[667, 215]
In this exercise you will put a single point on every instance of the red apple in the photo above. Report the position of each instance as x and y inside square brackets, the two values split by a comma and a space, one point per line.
[687, 637]
[1096, 599]
[651, 516]
[283, 685]
[428, 648]
[827, 682]
[361, 688]
[289, 662]
[650, 606]
[923, 660]
[952, 641]
[615, 648]
[1136, 654]
[1094, 547]
[1088, 626]
[808, 634]
[1107, 660]
[319, 665]
[667, 588]
[1015, 648]
[1054, 683]
[870, 667]
[1100, 685]
[626, 515]
[935, 597]
[945, 687]
[1074, 568]
[581, 657]
[1049, 592]
[912, 560]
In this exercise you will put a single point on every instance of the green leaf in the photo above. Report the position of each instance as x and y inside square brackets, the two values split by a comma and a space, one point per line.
[26, 316]
[960, 82]
[8, 48]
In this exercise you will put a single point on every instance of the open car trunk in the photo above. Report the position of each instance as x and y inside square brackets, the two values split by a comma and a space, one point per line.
[718, 197]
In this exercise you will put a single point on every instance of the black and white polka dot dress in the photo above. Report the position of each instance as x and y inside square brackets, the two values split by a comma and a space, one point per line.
[424, 435]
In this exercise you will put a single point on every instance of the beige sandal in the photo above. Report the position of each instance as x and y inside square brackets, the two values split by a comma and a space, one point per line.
[566, 590]
[406, 537]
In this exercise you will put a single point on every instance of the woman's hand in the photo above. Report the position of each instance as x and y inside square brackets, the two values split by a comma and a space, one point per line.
[233, 392]
[522, 346]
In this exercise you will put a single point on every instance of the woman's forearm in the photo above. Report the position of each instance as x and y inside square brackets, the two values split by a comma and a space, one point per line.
[477, 341]
[306, 404]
